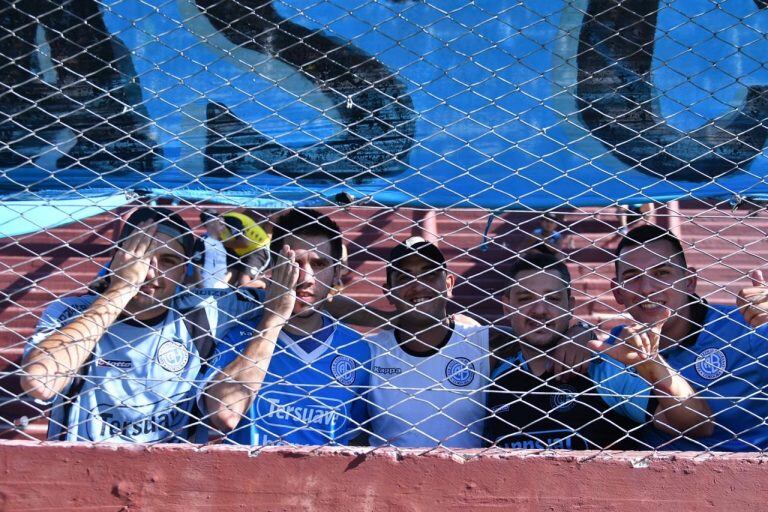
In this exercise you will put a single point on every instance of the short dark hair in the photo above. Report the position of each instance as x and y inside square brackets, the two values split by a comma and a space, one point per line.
[305, 221]
[646, 234]
[165, 219]
[541, 261]
[207, 215]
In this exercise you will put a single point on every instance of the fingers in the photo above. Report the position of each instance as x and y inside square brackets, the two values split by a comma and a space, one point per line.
[570, 358]
[614, 351]
[285, 271]
[632, 346]
[753, 301]
[655, 329]
[559, 370]
[754, 315]
[281, 288]
[140, 242]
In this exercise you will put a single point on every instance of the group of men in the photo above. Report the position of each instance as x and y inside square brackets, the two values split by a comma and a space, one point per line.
[148, 360]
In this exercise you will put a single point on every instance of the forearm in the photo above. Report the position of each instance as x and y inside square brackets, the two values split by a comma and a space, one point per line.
[679, 410]
[50, 365]
[235, 387]
[351, 311]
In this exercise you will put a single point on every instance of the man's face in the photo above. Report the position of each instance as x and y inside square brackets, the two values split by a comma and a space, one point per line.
[419, 290]
[649, 281]
[318, 270]
[539, 307]
[166, 271]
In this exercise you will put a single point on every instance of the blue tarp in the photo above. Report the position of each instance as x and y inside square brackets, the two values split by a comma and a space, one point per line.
[443, 103]
[43, 211]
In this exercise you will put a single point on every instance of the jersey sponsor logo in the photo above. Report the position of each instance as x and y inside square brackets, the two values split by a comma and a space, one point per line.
[544, 440]
[385, 370]
[711, 363]
[139, 423]
[344, 370]
[172, 356]
[460, 371]
[292, 410]
[564, 399]
[114, 363]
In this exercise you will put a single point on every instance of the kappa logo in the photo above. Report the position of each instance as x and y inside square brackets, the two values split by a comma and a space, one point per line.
[564, 400]
[172, 356]
[114, 363]
[711, 363]
[460, 371]
[344, 370]
[387, 370]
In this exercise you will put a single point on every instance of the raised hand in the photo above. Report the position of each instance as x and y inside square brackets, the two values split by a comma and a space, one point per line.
[281, 288]
[753, 300]
[572, 354]
[636, 343]
[132, 260]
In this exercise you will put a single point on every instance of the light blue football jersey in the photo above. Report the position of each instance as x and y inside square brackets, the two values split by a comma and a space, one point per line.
[726, 365]
[140, 385]
[307, 398]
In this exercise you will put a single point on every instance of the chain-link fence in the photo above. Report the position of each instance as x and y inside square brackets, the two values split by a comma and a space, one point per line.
[388, 223]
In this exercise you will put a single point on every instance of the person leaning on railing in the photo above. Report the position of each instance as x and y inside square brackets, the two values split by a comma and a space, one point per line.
[429, 368]
[295, 375]
[122, 365]
[605, 408]
[428, 371]
[713, 347]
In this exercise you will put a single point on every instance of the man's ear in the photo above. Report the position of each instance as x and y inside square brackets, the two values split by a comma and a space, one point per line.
[505, 305]
[691, 280]
[618, 292]
[450, 282]
[388, 289]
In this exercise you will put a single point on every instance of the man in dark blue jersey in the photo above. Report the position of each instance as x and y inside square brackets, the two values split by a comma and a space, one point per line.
[713, 347]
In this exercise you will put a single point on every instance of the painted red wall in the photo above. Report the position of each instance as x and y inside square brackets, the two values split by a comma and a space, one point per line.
[69, 476]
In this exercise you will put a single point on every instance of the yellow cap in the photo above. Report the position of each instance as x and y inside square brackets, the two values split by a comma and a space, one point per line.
[255, 234]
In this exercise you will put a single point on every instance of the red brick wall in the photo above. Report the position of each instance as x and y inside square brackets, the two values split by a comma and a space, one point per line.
[60, 477]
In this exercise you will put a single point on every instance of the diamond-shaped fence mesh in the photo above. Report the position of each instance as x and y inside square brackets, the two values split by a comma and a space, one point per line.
[533, 225]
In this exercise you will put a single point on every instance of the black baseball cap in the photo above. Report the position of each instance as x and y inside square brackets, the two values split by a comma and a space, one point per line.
[168, 222]
[414, 245]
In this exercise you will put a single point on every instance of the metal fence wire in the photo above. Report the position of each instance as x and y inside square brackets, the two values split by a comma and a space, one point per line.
[531, 225]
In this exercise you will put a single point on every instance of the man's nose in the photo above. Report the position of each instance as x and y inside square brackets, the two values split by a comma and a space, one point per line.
[538, 308]
[153, 271]
[647, 285]
[306, 274]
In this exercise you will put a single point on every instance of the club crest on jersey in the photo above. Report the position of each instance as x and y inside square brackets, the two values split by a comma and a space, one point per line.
[460, 371]
[172, 356]
[564, 399]
[711, 363]
[344, 370]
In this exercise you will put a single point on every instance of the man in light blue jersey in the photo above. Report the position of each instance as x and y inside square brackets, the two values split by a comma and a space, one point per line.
[122, 365]
[713, 347]
[295, 376]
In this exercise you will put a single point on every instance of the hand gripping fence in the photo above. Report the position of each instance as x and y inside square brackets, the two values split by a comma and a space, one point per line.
[385, 224]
